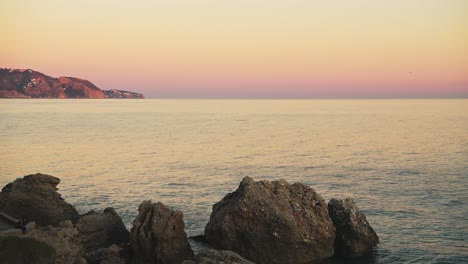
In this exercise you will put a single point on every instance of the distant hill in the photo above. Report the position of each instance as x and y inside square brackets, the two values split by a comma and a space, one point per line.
[19, 83]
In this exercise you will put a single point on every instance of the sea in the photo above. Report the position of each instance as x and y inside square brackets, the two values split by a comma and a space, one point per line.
[404, 162]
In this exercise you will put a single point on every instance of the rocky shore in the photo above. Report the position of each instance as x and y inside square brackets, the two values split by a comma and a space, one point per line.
[260, 222]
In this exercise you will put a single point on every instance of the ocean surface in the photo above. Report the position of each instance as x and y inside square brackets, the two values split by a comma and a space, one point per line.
[405, 162]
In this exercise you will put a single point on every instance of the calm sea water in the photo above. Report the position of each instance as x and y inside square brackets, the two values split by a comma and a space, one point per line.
[405, 162]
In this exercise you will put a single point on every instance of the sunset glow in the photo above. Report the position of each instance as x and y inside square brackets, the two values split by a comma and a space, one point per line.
[245, 48]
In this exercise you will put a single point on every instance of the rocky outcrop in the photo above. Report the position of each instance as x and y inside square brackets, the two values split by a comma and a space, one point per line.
[101, 230]
[79, 88]
[58, 245]
[273, 222]
[35, 198]
[217, 256]
[122, 94]
[29, 83]
[354, 236]
[158, 235]
[19, 83]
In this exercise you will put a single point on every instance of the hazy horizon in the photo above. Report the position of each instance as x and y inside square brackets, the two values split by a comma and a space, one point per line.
[245, 49]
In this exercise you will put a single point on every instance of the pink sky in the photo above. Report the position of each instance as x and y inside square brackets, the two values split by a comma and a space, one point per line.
[245, 49]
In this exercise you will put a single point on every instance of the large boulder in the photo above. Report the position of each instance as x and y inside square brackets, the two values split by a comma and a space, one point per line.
[101, 230]
[354, 236]
[272, 222]
[158, 235]
[35, 198]
[59, 245]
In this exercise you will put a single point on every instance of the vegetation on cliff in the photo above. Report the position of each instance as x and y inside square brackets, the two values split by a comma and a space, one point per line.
[19, 83]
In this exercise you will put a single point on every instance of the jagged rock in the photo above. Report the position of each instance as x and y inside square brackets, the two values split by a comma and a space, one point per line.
[100, 230]
[158, 235]
[272, 222]
[217, 256]
[59, 245]
[354, 236]
[35, 198]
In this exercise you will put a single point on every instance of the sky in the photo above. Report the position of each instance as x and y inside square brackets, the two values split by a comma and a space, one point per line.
[245, 48]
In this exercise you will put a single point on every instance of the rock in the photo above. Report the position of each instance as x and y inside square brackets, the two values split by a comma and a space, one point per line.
[101, 230]
[79, 88]
[15, 83]
[158, 235]
[41, 245]
[108, 255]
[66, 224]
[199, 238]
[35, 198]
[217, 256]
[14, 249]
[272, 222]
[354, 236]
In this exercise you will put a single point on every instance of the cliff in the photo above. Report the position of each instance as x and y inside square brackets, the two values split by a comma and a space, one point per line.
[19, 83]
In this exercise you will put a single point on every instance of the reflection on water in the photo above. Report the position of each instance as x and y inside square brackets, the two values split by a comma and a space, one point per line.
[404, 161]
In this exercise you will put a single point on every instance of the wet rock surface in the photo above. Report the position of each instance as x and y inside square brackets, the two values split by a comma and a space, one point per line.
[273, 222]
[354, 236]
[158, 235]
[35, 198]
[101, 230]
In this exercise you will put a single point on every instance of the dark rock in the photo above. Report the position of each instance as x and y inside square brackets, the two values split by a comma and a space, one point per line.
[272, 222]
[35, 198]
[109, 255]
[354, 236]
[14, 249]
[101, 230]
[217, 256]
[158, 235]
[59, 245]
[199, 238]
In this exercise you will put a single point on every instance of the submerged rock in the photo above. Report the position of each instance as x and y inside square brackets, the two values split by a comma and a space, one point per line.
[217, 256]
[354, 236]
[158, 235]
[101, 230]
[35, 198]
[272, 222]
[59, 245]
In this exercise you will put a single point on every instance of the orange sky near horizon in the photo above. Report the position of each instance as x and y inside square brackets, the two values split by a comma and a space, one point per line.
[245, 49]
